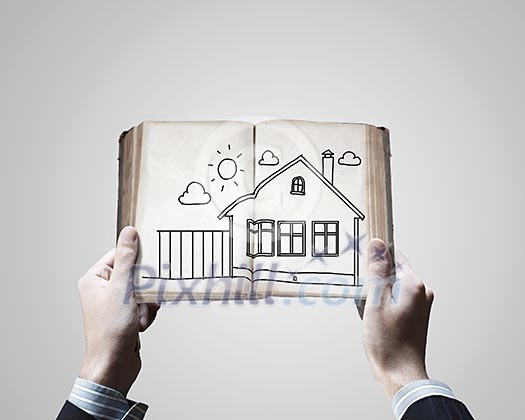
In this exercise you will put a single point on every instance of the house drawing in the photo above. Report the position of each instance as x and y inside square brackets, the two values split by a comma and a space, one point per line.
[295, 227]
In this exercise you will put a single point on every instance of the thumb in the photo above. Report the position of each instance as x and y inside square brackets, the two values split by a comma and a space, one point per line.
[125, 256]
[380, 268]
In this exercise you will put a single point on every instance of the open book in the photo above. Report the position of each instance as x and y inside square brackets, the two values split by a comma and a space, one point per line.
[232, 210]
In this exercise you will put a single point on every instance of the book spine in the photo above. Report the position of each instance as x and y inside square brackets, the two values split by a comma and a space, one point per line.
[128, 174]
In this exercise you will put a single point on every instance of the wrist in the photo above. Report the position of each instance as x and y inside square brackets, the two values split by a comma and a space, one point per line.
[393, 381]
[118, 374]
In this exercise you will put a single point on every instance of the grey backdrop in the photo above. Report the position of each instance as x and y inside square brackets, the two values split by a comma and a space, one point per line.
[446, 78]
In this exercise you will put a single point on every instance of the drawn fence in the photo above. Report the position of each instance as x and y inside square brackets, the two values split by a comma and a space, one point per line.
[194, 253]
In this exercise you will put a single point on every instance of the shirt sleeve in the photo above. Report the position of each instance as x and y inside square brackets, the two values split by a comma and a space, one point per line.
[416, 391]
[104, 403]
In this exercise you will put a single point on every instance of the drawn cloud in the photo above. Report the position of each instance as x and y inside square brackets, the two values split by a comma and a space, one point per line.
[194, 195]
[349, 158]
[268, 159]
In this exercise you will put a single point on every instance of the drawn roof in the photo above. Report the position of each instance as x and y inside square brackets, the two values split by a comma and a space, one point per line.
[265, 181]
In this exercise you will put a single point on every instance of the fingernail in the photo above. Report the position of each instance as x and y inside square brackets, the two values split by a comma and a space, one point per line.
[128, 234]
[379, 247]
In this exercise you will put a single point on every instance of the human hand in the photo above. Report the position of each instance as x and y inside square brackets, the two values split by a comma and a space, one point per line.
[395, 320]
[112, 317]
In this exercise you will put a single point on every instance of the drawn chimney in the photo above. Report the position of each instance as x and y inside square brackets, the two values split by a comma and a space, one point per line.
[328, 165]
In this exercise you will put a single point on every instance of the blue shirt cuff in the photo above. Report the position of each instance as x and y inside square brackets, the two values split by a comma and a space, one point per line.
[104, 403]
[417, 390]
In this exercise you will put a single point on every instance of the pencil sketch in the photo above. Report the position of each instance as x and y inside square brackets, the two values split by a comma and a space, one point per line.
[268, 158]
[349, 158]
[227, 167]
[195, 194]
[282, 250]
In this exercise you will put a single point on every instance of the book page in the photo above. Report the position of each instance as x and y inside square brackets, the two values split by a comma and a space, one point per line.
[311, 208]
[189, 172]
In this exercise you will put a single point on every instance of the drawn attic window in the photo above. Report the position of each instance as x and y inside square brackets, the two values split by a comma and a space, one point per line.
[297, 186]
[325, 239]
[259, 242]
[291, 238]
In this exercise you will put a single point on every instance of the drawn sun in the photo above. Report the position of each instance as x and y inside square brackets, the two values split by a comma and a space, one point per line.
[227, 167]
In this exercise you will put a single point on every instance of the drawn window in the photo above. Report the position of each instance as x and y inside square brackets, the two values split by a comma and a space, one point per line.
[297, 186]
[325, 239]
[260, 238]
[291, 238]
[253, 236]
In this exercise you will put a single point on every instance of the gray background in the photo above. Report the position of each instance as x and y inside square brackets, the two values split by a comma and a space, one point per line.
[445, 77]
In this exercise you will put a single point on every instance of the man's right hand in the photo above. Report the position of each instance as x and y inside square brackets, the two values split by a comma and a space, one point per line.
[395, 320]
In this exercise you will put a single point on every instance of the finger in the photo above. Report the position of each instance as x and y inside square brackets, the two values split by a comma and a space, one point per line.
[97, 275]
[379, 259]
[125, 257]
[408, 285]
[404, 268]
[402, 264]
[108, 259]
[104, 267]
[147, 314]
[409, 290]
[380, 269]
